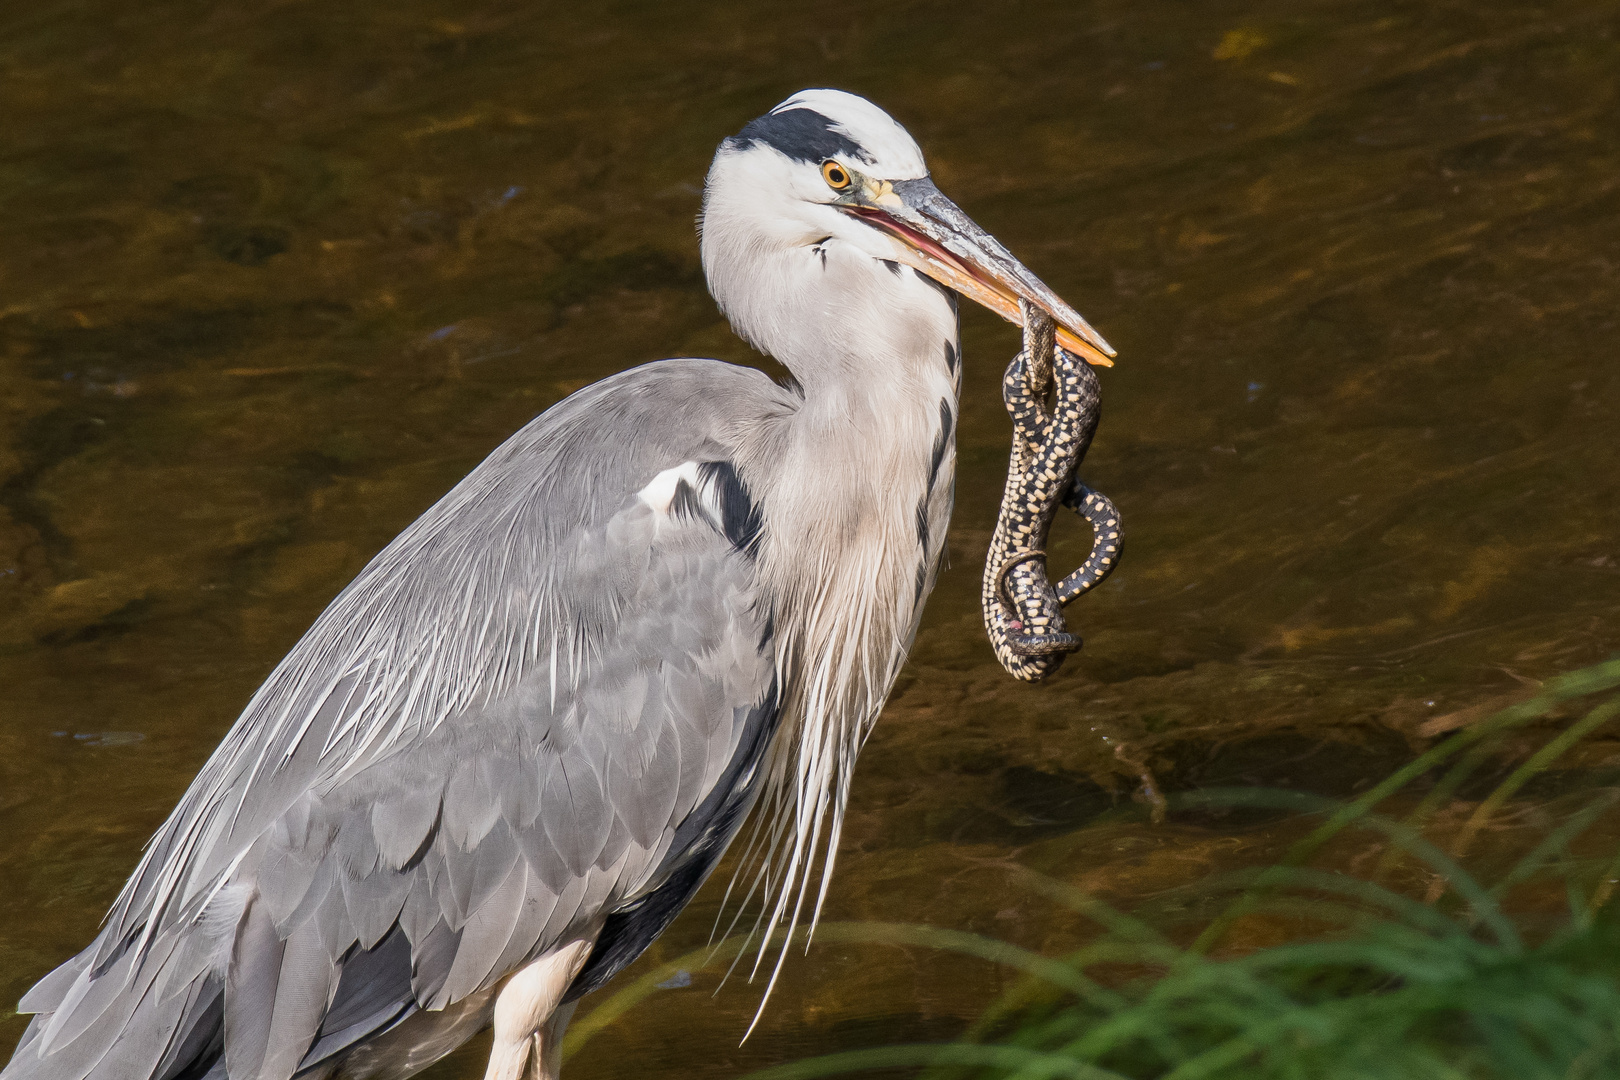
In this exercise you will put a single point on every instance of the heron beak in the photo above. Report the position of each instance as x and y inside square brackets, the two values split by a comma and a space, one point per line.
[945, 244]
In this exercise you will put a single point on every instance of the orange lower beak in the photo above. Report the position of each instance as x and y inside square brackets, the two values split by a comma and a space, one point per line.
[1001, 301]
[939, 240]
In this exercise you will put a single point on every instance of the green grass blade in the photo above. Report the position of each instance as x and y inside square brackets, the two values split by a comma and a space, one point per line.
[1538, 762]
[1030, 1063]
[1556, 841]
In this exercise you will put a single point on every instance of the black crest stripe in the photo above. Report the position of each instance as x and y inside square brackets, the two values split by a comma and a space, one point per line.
[801, 134]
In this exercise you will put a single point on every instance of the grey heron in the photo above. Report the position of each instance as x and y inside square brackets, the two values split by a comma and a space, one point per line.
[509, 752]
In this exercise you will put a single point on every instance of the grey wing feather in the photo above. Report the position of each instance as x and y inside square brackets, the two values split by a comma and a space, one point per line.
[250, 995]
[487, 742]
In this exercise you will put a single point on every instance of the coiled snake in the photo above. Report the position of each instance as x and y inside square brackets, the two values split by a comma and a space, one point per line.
[1023, 610]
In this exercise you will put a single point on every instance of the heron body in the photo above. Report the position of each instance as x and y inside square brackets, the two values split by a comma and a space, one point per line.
[508, 754]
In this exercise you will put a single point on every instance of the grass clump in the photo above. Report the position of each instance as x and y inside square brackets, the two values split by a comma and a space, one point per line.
[1444, 961]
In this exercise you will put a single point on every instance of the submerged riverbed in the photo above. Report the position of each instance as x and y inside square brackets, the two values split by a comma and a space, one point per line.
[274, 275]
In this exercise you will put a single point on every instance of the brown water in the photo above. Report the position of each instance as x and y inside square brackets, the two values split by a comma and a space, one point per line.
[273, 275]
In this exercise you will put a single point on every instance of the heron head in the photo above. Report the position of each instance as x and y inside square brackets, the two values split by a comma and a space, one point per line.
[828, 166]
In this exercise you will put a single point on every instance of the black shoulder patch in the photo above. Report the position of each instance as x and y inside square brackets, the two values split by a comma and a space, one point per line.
[950, 357]
[684, 504]
[740, 518]
[801, 134]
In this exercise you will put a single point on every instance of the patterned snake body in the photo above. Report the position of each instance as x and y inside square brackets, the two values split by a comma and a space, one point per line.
[1023, 610]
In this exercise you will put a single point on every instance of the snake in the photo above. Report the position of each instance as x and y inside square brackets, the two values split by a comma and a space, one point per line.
[1055, 401]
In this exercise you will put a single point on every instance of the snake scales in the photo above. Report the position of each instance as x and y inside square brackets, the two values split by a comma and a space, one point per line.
[1023, 610]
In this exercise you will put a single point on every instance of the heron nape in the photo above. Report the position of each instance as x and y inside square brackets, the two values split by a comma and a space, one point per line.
[512, 749]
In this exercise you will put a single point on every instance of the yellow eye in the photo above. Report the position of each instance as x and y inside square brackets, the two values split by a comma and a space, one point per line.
[836, 175]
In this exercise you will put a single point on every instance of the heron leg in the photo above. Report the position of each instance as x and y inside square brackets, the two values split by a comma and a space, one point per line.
[548, 1052]
[525, 1010]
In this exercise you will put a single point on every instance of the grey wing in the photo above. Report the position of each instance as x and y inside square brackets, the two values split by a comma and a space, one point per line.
[540, 711]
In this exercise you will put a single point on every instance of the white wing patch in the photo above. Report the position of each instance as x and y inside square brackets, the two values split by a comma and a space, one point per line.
[660, 493]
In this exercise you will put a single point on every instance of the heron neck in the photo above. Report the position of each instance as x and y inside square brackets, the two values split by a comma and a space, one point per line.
[868, 427]
[869, 451]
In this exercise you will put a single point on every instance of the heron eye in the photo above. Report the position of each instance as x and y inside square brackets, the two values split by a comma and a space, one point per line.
[836, 175]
